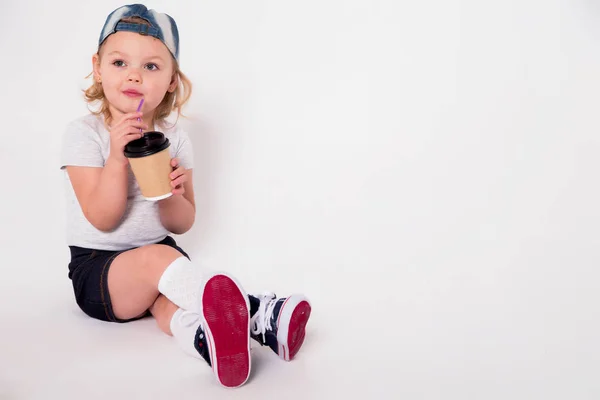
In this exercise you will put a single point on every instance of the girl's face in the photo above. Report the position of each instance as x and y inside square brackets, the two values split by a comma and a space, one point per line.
[131, 67]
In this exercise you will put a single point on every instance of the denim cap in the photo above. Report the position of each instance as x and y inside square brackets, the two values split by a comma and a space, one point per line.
[162, 26]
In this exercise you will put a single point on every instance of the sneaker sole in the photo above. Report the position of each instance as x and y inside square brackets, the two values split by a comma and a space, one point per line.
[226, 316]
[291, 325]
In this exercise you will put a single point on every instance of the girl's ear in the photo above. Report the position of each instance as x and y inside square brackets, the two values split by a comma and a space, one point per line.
[96, 67]
[174, 83]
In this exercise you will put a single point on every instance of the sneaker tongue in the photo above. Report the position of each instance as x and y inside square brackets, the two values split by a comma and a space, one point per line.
[201, 345]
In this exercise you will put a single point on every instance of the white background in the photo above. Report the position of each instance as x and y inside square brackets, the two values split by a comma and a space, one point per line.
[426, 172]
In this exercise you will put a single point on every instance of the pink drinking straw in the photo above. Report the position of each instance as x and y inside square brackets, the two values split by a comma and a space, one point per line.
[138, 110]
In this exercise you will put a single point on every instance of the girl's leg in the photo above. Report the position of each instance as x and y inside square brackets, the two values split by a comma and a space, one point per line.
[133, 282]
[210, 316]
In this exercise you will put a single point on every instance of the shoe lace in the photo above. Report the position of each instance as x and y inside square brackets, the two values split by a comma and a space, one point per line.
[260, 322]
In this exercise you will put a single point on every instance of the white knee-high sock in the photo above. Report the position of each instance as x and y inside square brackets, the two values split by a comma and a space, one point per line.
[184, 325]
[180, 283]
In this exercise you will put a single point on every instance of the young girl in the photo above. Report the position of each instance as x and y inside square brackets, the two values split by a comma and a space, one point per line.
[124, 263]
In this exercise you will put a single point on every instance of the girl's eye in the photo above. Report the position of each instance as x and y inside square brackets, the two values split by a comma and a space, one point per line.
[118, 63]
[152, 66]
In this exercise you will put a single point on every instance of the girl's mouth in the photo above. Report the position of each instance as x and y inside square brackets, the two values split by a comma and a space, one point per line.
[132, 93]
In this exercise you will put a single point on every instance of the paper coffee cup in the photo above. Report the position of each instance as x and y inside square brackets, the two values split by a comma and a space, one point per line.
[150, 162]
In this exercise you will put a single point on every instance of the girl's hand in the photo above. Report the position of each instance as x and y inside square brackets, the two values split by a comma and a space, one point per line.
[123, 131]
[178, 177]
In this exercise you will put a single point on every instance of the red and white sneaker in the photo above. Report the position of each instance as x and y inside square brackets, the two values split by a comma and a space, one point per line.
[225, 311]
[280, 323]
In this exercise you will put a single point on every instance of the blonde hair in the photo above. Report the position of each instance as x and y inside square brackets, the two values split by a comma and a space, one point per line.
[173, 101]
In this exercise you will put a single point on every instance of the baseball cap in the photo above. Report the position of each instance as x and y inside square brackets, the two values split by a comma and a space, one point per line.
[162, 26]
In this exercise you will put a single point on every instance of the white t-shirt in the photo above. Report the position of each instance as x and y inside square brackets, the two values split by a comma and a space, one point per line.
[86, 143]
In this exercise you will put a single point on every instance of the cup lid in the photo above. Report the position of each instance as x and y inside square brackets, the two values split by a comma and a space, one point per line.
[152, 142]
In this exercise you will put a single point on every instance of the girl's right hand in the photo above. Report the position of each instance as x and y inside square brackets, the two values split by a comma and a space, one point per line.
[123, 131]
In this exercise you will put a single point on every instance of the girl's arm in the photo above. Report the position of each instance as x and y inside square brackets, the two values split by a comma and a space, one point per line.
[101, 192]
[178, 212]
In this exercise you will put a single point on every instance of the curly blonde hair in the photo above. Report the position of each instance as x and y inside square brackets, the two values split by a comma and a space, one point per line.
[173, 101]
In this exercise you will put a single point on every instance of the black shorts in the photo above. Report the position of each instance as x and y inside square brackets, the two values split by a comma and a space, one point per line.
[88, 270]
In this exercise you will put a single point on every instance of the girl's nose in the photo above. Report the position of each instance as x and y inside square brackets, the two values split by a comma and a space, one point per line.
[134, 77]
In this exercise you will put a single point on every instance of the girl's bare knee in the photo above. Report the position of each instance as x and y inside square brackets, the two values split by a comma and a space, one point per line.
[159, 254]
[134, 276]
[155, 258]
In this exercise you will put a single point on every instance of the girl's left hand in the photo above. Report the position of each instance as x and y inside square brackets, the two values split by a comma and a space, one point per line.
[178, 177]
